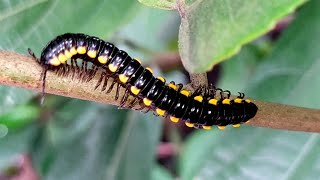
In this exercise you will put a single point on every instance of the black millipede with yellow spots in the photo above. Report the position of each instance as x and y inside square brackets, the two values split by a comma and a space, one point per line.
[82, 55]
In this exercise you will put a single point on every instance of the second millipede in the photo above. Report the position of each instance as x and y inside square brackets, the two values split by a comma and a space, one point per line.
[200, 109]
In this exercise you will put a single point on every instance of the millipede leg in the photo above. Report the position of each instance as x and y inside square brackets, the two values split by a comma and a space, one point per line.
[212, 91]
[105, 82]
[88, 75]
[221, 96]
[197, 126]
[43, 76]
[197, 92]
[155, 114]
[111, 87]
[124, 98]
[133, 103]
[206, 93]
[100, 80]
[76, 65]
[117, 92]
[63, 70]
[241, 95]
[73, 67]
[228, 93]
[68, 69]
[180, 86]
[60, 70]
[82, 65]
[84, 70]
[85, 65]
[92, 73]
[142, 106]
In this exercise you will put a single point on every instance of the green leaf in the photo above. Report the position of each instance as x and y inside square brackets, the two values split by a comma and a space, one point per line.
[247, 153]
[90, 141]
[236, 72]
[20, 116]
[288, 74]
[15, 143]
[151, 30]
[11, 96]
[212, 31]
[160, 173]
[33, 23]
[162, 4]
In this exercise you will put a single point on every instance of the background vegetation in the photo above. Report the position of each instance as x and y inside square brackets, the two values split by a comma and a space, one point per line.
[74, 139]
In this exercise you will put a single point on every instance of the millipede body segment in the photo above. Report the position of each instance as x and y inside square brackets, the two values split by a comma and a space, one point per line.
[205, 107]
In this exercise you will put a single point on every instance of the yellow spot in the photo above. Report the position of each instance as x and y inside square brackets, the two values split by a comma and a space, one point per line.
[206, 127]
[198, 98]
[189, 124]
[112, 68]
[123, 78]
[238, 100]
[147, 101]
[221, 127]
[149, 69]
[173, 86]
[160, 112]
[185, 92]
[135, 90]
[81, 50]
[55, 61]
[73, 51]
[161, 79]
[247, 122]
[102, 59]
[67, 54]
[92, 53]
[174, 119]
[62, 58]
[248, 100]
[236, 125]
[226, 101]
[138, 60]
[213, 101]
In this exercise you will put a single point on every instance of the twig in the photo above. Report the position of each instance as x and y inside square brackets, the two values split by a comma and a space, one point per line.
[22, 71]
[198, 79]
[279, 116]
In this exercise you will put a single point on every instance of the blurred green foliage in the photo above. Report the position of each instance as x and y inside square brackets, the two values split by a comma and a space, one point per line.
[20, 116]
[74, 139]
[214, 30]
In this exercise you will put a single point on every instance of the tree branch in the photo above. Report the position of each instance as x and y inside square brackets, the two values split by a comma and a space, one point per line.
[22, 71]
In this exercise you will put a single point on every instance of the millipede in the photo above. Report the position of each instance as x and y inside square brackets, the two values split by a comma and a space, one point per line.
[83, 55]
